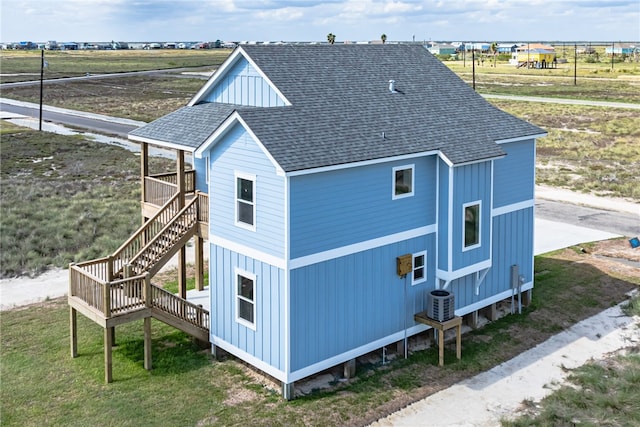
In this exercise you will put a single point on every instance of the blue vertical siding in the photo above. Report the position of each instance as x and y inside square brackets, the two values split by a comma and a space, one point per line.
[471, 183]
[238, 152]
[512, 244]
[267, 341]
[348, 302]
[243, 85]
[200, 166]
[514, 175]
[338, 208]
[443, 215]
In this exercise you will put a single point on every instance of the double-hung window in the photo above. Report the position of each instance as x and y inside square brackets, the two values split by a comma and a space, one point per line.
[245, 201]
[245, 298]
[471, 223]
[419, 273]
[402, 182]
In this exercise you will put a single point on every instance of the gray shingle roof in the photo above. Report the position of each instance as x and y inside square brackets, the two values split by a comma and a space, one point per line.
[341, 105]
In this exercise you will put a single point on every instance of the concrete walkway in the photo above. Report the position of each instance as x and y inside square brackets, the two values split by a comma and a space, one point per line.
[498, 393]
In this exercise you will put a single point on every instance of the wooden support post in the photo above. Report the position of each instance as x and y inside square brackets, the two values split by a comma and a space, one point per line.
[144, 171]
[108, 364]
[180, 176]
[182, 272]
[288, 390]
[73, 324]
[526, 297]
[147, 343]
[199, 263]
[471, 319]
[350, 368]
[113, 336]
[455, 322]
[491, 312]
[400, 347]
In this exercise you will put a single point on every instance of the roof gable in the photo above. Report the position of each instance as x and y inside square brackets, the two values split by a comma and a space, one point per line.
[239, 81]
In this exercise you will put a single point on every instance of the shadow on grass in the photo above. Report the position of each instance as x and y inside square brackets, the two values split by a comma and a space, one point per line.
[172, 353]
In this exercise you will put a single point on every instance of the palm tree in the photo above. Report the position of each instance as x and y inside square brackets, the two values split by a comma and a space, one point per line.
[494, 50]
[383, 37]
[331, 38]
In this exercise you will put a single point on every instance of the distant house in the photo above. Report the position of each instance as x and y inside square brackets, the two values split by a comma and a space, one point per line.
[442, 49]
[318, 168]
[507, 47]
[535, 56]
[622, 49]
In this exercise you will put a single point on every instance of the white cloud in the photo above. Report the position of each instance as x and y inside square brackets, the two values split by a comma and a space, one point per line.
[137, 20]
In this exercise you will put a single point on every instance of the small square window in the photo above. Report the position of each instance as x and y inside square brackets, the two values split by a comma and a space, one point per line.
[402, 181]
[471, 225]
[419, 268]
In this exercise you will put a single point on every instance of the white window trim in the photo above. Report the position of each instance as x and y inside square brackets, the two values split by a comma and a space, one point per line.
[464, 208]
[252, 178]
[413, 263]
[238, 297]
[395, 196]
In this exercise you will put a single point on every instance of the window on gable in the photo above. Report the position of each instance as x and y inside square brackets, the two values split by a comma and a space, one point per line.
[419, 268]
[471, 225]
[245, 298]
[245, 201]
[402, 181]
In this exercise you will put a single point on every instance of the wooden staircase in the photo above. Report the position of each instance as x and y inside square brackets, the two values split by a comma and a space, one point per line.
[117, 289]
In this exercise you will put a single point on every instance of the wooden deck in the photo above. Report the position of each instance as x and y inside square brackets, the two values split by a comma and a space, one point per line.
[117, 289]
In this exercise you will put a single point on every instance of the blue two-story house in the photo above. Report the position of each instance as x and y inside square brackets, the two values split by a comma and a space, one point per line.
[325, 163]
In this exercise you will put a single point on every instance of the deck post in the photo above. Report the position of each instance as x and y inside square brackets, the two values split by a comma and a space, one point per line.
[108, 364]
[526, 298]
[182, 254]
[199, 263]
[144, 171]
[147, 343]
[350, 368]
[106, 296]
[73, 323]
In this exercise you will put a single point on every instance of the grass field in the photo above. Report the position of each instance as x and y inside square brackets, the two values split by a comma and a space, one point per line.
[64, 199]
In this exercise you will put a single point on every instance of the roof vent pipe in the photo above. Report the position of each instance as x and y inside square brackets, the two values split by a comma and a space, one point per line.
[392, 86]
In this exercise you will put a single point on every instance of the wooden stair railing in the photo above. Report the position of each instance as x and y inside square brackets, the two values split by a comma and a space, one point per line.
[149, 230]
[166, 243]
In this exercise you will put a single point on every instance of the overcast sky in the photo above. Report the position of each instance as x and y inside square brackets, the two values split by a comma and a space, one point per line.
[310, 20]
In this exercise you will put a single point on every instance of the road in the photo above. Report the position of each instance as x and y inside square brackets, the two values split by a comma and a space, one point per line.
[622, 223]
[103, 76]
[77, 119]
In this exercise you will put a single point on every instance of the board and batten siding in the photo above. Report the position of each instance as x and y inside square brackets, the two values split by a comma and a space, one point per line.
[444, 177]
[329, 210]
[200, 166]
[266, 342]
[514, 174]
[349, 302]
[243, 85]
[512, 245]
[237, 152]
[471, 183]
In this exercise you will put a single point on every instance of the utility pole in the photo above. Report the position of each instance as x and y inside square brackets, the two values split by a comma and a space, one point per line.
[473, 61]
[575, 64]
[613, 52]
[41, 85]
